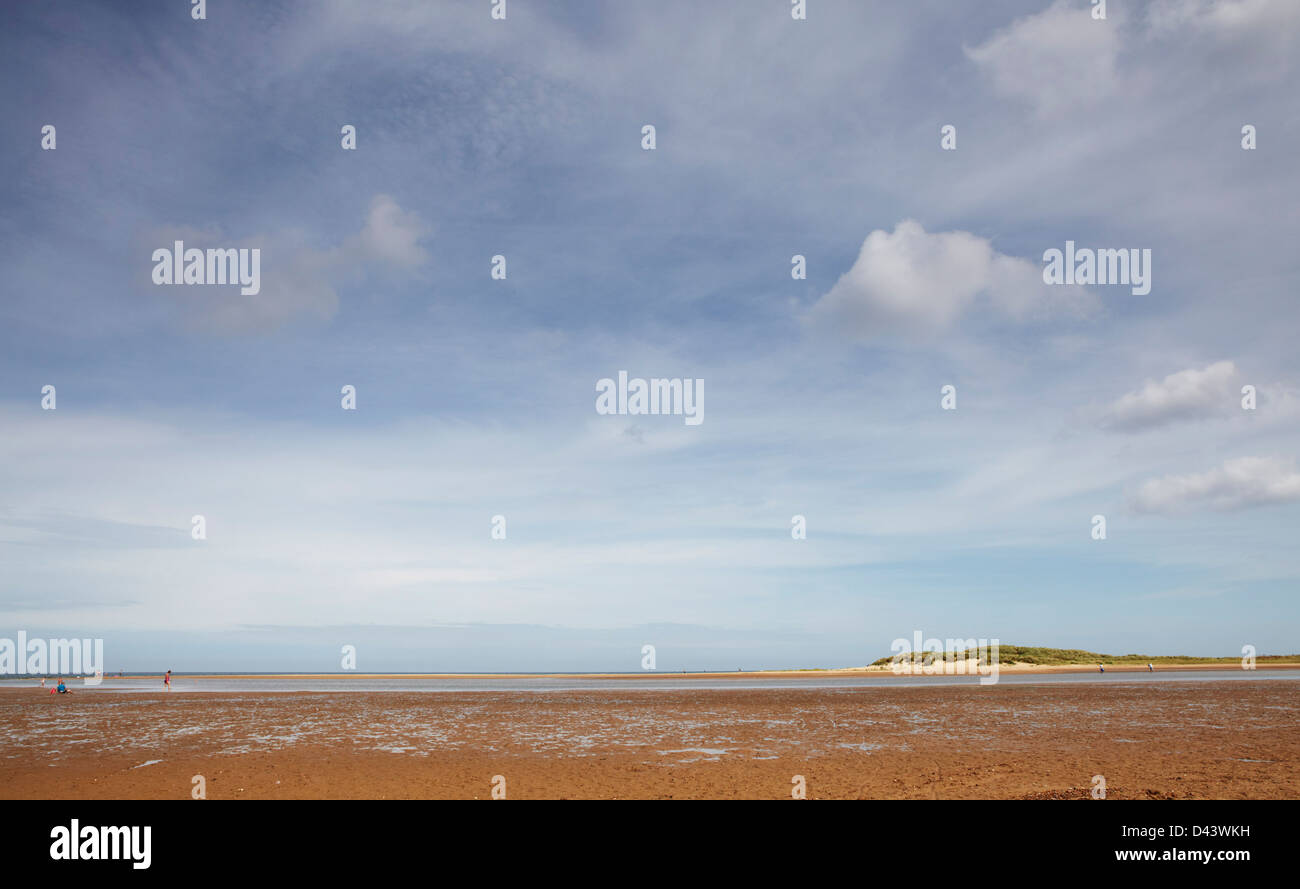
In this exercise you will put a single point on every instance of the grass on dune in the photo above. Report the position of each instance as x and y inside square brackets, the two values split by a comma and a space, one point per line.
[1025, 654]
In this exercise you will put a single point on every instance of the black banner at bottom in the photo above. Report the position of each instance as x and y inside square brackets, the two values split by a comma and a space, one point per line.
[215, 839]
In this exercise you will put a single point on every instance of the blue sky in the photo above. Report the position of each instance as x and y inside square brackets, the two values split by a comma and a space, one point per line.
[475, 397]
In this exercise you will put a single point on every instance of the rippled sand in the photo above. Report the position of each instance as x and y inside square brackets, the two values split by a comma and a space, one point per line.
[1173, 739]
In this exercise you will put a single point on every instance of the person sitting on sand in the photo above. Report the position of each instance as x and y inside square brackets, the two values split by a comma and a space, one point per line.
[1101, 669]
[62, 689]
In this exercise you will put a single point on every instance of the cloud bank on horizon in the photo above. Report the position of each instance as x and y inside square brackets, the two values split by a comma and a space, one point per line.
[840, 218]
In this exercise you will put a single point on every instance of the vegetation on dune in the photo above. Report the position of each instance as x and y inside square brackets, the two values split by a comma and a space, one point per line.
[1025, 654]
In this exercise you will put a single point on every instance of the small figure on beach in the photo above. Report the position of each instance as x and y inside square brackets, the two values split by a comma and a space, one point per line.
[1101, 669]
[167, 680]
[42, 682]
[1150, 669]
[61, 688]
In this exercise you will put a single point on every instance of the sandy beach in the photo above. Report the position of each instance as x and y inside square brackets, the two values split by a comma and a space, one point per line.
[1173, 739]
[970, 668]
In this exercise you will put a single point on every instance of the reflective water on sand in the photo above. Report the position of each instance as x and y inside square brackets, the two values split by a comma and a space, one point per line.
[639, 682]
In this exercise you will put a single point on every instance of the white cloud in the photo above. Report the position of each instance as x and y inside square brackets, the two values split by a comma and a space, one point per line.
[1224, 16]
[913, 279]
[391, 235]
[1180, 396]
[1061, 59]
[1058, 59]
[1239, 483]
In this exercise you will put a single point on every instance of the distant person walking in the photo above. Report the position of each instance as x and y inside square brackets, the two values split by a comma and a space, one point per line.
[167, 680]
[1150, 669]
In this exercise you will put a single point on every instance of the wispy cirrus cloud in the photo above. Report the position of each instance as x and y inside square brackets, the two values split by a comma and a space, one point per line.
[1061, 59]
[1225, 17]
[1058, 60]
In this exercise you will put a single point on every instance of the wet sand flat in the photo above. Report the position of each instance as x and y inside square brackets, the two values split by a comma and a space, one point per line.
[1167, 740]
